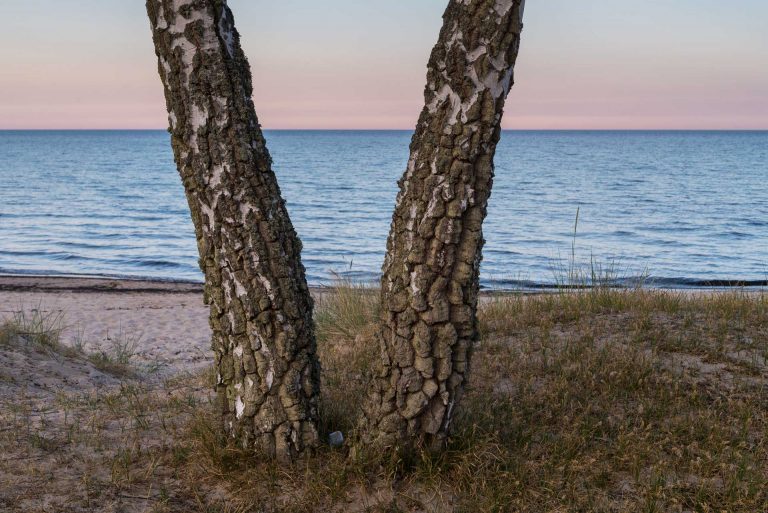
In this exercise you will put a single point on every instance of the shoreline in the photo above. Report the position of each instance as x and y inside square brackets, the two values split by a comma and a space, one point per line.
[84, 283]
[125, 284]
[46, 283]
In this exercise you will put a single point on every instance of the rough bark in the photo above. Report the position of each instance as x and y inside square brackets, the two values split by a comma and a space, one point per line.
[431, 271]
[260, 307]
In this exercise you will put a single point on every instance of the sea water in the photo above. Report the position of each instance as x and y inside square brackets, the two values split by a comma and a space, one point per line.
[677, 209]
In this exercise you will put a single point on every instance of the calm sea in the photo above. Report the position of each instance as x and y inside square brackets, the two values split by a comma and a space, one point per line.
[683, 209]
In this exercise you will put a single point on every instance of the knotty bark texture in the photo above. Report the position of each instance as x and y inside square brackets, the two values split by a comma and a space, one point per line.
[431, 270]
[261, 310]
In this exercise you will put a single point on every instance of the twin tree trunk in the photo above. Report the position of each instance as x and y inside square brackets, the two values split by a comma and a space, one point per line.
[430, 277]
[261, 310]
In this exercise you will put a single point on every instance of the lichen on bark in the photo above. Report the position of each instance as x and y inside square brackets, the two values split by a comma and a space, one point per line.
[260, 307]
[430, 279]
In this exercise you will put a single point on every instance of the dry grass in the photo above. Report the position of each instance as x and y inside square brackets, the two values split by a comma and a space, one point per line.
[42, 330]
[115, 356]
[346, 326]
[601, 400]
[625, 401]
[36, 327]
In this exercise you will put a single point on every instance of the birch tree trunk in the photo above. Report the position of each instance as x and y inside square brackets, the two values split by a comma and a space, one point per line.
[431, 270]
[260, 307]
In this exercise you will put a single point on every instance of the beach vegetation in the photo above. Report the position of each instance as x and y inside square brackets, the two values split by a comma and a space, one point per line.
[625, 400]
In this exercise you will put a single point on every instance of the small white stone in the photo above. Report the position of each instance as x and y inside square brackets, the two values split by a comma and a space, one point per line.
[336, 439]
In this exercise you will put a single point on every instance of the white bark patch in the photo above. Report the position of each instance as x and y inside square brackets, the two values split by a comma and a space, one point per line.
[469, 194]
[446, 93]
[227, 296]
[238, 351]
[414, 287]
[161, 23]
[239, 405]
[198, 118]
[476, 53]
[448, 193]
[245, 210]
[499, 62]
[434, 201]
[269, 377]
[214, 179]
[166, 66]
[497, 81]
[502, 7]
[267, 286]
[240, 290]
[207, 211]
[410, 224]
[197, 115]
[188, 48]
[227, 289]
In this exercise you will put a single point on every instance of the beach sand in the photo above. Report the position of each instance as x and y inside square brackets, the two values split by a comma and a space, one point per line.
[166, 322]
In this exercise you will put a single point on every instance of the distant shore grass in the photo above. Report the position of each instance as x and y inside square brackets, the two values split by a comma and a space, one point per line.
[615, 400]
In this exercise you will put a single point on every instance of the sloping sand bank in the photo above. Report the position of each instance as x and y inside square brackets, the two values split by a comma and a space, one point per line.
[166, 323]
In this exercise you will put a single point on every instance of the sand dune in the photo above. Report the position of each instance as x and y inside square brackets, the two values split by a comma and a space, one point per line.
[167, 322]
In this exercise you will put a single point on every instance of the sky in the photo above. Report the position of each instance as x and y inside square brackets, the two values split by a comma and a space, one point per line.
[355, 64]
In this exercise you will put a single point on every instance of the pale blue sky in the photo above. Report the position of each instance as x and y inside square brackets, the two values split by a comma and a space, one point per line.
[361, 64]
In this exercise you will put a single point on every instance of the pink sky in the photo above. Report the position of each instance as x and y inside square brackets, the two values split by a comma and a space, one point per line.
[693, 65]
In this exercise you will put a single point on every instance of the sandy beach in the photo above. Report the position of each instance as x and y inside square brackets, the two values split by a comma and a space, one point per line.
[167, 322]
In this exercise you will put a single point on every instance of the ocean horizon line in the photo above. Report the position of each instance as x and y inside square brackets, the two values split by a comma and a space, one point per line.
[526, 130]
